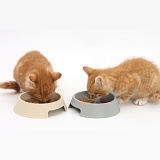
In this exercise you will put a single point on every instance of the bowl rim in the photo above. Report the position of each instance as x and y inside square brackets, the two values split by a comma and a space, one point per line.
[23, 101]
[91, 104]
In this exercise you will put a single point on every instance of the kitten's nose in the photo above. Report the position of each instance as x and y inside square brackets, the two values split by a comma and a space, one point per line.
[44, 100]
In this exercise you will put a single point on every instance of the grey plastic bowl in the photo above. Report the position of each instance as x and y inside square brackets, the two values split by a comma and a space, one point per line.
[97, 109]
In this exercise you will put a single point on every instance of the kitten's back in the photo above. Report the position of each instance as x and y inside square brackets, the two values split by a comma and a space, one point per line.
[31, 61]
[139, 65]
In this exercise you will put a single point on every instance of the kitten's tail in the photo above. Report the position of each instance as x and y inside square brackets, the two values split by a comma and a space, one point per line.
[10, 85]
[155, 97]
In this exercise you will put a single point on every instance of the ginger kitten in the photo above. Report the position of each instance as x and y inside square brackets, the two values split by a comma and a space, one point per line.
[34, 74]
[137, 79]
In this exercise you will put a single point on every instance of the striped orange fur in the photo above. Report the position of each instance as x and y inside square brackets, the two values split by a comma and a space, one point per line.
[137, 79]
[33, 73]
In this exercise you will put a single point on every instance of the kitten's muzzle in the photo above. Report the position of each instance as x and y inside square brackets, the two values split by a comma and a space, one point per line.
[44, 100]
[93, 96]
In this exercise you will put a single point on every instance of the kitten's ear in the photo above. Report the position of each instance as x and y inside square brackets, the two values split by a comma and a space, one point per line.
[33, 77]
[31, 80]
[99, 81]
[55, 75]
[88, 70]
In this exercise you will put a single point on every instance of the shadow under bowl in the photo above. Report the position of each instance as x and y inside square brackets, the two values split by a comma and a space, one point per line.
[36, 110]
[97, 109]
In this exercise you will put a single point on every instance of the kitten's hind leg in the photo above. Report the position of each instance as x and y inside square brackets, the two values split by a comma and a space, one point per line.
[152, 97]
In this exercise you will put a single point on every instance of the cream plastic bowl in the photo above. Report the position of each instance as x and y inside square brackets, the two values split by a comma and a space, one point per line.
[97, 109]
[33, 110]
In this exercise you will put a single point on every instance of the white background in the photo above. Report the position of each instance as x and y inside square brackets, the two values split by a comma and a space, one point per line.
[72, 34]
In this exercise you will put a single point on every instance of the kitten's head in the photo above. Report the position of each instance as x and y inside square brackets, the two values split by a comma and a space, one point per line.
[98, 83]
[42, 85]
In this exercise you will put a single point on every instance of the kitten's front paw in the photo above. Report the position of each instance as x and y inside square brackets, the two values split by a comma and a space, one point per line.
[121, 101]
[140, 101]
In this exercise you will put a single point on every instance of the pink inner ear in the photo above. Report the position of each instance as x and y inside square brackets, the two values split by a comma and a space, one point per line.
[99, 81]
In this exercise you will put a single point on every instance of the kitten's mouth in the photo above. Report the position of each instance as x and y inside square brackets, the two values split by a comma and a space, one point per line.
[96, 96]
[48, 101]
[35, 100]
